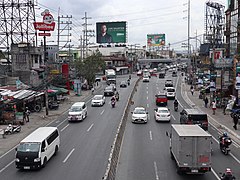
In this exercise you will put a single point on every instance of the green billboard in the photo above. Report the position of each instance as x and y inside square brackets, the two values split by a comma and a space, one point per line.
[155, 40]
[111, 32]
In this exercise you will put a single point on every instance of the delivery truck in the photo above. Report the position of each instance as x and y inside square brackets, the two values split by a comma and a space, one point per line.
[190, 147]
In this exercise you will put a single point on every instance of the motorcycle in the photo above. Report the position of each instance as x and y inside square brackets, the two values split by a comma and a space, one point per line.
[235, 112]
[113, 104]
[12, 129]
[225, 149]
[117, 97]
[176, 108]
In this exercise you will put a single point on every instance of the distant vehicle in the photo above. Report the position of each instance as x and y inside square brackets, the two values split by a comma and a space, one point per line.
[174, 74]
[161, 75]
[110, 76]
[77, 112]
[123, 84]
[98, 100]
[161, 99]
[194, 116]
[98, 79]
[145, 79]
[139, 115]
[114, 86]
[146, 73]
[170, 92]
[109, 91]
[190, 147]
[169, 81]
[162, 114]
[139, 73]
[36, 149]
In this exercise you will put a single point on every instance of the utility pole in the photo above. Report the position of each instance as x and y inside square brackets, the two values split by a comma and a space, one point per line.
[189, 28]
[86, 34]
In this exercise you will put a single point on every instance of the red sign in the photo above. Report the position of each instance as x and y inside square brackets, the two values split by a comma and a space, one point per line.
[41, 26]
[44, 34]
[47, 24]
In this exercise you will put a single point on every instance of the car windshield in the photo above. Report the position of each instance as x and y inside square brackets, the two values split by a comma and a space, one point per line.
[97, 97]
[108, 88]
[28, 147]
[139, 111]
[75, 109]
[123, 82]
[170, 90]
[162, 111]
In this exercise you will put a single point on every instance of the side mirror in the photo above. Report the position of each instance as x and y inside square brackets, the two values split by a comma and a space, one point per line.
[42, 150]
[155, 109]
[131, 112]
[15, 149]
[181, 113]
[146, 112]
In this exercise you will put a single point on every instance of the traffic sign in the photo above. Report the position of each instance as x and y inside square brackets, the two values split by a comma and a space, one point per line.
[44, 34]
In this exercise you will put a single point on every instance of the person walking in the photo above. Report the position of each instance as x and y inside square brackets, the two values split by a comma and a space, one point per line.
[92, 90]
[26, 114]
[214, 107]
[235, 121]
[206, 102]
[192, 91]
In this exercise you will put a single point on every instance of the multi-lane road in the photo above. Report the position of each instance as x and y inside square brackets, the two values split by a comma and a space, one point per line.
[85, 146]
[145, 149]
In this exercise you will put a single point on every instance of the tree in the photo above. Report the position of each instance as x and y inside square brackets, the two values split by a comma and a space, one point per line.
[88, 67]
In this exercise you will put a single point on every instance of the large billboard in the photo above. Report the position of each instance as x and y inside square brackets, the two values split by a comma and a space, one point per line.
[111, 32]
[155, 40]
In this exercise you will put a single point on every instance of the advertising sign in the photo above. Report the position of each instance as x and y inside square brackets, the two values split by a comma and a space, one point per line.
[48, 23]
[155, 40]
[237, 84]
[111, 32]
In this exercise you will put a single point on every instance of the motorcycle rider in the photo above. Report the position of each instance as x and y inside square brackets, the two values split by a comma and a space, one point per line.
[175, 103]
[228, 175]
[222, 139]
[113, 100]
[117, 96]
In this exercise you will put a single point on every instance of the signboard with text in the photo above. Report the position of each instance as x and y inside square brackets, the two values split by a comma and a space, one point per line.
[155, 40]
[47, 24]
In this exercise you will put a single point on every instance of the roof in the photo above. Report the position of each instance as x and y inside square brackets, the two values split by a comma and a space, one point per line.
[190, 130]
[194, 111]
[78, 104]
[140, 108]
[39, 134]
[162, 108]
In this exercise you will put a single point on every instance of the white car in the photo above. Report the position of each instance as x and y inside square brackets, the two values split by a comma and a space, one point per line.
[162, 114]
[170, 92]
[98, 100]
[139, 115]
[146, 79]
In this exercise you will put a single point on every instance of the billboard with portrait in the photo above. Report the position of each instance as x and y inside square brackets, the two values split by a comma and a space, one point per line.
[155, 40]
[111, 32]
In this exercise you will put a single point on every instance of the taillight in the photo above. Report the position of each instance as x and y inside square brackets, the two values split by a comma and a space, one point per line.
[205, 122]
[189, 122]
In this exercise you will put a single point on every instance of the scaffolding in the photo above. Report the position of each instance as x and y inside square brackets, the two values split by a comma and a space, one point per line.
[214, 24]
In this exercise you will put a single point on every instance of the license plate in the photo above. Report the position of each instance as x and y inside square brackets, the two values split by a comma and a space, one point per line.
[194, 171]
[162, 115]
[26, 167]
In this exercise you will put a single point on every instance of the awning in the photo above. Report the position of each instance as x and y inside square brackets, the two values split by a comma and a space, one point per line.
[59, 90]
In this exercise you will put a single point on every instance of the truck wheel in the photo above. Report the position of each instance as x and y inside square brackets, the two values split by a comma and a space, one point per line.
[44, 162]
[56, 150]
[179, 171]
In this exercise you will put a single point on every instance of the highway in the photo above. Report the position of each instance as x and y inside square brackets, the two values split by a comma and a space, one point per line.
[85, 146]
[145, 149]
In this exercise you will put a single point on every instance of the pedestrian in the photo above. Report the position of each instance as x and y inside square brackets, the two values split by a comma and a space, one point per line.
[214, 107]
[235, 121]
[92, 90]
[225, 102]
[206, 102]
[26, 114]
[192, 91]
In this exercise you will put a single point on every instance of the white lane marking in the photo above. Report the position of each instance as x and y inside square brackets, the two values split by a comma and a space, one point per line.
[7, 166]
[157, 87]
[159, 92]
[156, 170]
[147, 92]
[147, 87]
[148, 105]
[68, 155]
[64, 127]
[150, 134]
[62, 122]
[215, 174]
[147, 97]
[102, 112]
[180, 104]
[57, 121]
[90, 127]
[173, 117]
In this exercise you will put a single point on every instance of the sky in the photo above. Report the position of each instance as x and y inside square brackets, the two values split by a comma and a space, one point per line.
[142, 16]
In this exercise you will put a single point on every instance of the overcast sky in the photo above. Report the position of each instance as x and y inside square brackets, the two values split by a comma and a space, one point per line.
[143, 17]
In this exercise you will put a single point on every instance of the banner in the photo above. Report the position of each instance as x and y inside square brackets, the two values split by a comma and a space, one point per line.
[155, 40]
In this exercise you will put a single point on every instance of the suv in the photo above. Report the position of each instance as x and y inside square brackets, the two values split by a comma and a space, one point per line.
[161, 99]
[161, 75]
[194, 116]
[109, 91]
[170, 92]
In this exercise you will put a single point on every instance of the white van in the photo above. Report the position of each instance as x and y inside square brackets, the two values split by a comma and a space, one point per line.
[77, 112]
[37, 148]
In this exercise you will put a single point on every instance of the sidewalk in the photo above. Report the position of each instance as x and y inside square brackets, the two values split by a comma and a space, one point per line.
[224, 123]
[40, 119]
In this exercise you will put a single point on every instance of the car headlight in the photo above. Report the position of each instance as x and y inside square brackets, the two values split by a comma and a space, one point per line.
[134, 117]
[37, 160]
[17, 160]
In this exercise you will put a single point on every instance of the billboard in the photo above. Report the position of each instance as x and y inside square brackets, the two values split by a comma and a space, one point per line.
[155, 40]
[111, 32]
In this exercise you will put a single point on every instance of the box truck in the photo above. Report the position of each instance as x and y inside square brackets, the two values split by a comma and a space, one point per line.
[190, 147]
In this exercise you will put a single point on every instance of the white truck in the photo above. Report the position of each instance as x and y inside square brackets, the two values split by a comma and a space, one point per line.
[190, 147]
[110, 76]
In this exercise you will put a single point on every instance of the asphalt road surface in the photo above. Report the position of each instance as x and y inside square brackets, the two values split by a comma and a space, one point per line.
[145, 150]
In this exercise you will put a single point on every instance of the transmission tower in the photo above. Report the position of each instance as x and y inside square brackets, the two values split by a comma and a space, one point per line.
[214, 24]
[16, 22]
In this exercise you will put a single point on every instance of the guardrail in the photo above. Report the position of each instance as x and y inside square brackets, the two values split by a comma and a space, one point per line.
[114, 154]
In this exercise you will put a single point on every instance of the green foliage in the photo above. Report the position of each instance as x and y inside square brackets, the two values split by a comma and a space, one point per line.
[88, 67]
